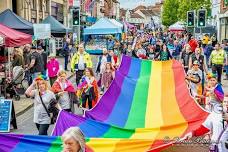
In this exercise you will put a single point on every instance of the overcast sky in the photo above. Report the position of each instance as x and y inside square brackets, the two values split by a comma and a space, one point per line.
[134, 3]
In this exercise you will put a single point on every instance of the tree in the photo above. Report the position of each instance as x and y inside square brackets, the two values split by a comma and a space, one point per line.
[187, 5]
[184, 6]
[169, 13]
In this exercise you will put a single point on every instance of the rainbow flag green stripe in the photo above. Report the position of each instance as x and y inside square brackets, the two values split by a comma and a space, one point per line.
[147, 101]
[25, 143]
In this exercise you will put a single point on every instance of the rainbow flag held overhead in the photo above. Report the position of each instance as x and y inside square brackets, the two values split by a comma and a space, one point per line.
[147, 105]
[29, 143]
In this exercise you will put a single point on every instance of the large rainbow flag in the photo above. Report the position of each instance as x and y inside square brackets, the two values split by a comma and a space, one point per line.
[147, 105]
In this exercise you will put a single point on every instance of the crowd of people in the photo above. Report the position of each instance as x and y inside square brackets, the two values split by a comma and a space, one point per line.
[203, 61]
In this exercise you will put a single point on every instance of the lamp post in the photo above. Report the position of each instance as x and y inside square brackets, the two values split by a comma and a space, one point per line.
[152, 22]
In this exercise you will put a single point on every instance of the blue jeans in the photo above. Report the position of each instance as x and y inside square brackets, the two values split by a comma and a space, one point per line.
[42, 128]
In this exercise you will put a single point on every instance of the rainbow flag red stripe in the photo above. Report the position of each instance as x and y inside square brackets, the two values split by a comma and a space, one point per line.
[147, 102]
[147, 105]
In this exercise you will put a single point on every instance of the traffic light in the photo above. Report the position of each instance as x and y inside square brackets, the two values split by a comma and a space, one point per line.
[190, 18]
[202, 13]
[76, 17]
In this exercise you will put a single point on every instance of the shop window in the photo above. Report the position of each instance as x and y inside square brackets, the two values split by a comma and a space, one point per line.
[40, 4]
[33, 4]
[47, 5]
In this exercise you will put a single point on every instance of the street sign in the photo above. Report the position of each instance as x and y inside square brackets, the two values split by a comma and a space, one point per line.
[5, 114]
[42, 31]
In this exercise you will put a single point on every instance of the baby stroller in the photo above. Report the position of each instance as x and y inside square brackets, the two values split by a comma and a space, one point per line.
[16, 85]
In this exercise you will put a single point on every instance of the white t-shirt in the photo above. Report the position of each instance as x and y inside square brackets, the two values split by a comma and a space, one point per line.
[103, 63]
[64, 100]
[214, 122]
[195, 86]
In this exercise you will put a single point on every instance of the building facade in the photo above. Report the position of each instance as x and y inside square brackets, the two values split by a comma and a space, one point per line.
[36, 10]
[101, 8]
[143, 16]
[223, 21]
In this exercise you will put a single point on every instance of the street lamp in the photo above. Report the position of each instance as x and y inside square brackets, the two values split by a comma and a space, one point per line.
[152, 21]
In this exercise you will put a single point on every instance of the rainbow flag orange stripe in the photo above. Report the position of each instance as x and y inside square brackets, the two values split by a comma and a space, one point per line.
[147, 105]
[147, 102]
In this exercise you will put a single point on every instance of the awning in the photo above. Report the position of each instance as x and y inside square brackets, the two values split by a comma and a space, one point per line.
[178, 26]
[15, 22]
[115, 22]
[102, 26]
[56, 26]
[13, 38]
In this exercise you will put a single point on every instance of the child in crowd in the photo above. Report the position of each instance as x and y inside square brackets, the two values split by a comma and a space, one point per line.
[53, 68]
[129, 50]
[107, 77]
[213, 92]
[194, 77]
[88, 89]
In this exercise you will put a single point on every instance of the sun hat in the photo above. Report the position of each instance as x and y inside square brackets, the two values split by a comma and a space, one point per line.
[196, 62]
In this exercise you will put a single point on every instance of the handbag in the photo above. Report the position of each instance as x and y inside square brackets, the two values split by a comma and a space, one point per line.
[214, 147]
[53, 115]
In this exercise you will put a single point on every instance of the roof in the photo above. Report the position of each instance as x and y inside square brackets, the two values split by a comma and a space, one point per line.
[139, 7]
[56, 26]
[13, 38]
[102, 26]
[148, 12]
[115, 1]
[156, 8]
[135, 15]
[10, 19]
[115, 22]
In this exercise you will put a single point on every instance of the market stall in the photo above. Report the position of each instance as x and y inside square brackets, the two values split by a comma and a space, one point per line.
[58, 32]
[177, 27]
[57, 28]
[115, 22]
[95, 36]
[11, 38]
[13, 21]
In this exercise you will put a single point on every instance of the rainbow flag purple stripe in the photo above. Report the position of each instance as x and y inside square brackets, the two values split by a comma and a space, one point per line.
[146, 102]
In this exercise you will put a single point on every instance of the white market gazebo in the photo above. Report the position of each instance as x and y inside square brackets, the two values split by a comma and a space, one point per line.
[177, 27]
